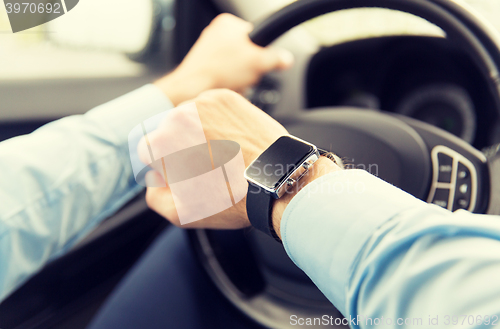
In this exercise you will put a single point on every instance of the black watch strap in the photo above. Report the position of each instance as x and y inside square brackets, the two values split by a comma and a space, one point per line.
[259, 209]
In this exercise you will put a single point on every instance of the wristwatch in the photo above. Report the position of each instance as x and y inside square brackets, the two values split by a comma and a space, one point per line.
[279, 168]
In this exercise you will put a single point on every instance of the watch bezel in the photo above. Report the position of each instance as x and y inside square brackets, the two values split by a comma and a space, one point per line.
[310, 158]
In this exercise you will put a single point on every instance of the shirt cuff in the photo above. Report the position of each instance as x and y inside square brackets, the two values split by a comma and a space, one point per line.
[326, 224]
[124, 113]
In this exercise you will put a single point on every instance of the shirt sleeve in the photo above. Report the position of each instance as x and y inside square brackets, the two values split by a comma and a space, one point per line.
[381, 255]
[58, 182]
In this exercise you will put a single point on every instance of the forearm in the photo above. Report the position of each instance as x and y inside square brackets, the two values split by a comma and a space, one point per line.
[429, 265]
[376, 251]
[60, 181]
[327, 223]
[182, 84]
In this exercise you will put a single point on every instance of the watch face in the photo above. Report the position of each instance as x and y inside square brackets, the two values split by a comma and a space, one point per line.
[278, 161]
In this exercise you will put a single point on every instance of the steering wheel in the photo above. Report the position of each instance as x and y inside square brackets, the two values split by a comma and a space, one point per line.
[252, 270]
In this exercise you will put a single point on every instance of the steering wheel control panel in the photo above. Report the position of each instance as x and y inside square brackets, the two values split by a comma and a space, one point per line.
[454, 183]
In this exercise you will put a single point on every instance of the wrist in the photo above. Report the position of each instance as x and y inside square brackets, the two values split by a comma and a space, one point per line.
[321, 167]
[181, 85]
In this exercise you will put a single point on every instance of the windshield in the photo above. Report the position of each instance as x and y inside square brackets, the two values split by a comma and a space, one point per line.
[28, 55]
[361, 23]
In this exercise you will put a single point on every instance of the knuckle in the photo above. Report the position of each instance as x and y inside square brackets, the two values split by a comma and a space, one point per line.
[176, 114]
[224, 17]
[156, 140]
[151, 198]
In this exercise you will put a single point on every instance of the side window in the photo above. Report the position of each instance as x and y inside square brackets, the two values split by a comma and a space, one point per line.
[68, 66]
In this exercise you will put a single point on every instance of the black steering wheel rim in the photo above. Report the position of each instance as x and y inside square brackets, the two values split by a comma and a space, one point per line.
[461, 26]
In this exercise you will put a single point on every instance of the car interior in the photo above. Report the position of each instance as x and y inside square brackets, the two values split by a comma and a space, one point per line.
[403, 89]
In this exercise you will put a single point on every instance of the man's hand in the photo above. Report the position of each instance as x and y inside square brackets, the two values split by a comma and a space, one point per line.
[224, 115]
[222, 57]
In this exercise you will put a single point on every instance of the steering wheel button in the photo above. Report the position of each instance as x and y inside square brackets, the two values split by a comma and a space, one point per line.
[445, 168]
[463, 203]
[463, 188]
[444, 175]
[463, 174]
[441, 203]
[441, 197]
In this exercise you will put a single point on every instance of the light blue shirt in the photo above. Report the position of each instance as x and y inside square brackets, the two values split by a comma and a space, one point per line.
[59, 182]
[382, 256]
[375, 251]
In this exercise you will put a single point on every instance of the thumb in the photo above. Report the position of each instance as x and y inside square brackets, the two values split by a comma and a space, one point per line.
[276, 59]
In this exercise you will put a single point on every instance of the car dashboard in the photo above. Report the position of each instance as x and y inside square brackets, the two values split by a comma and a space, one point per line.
[425, 78]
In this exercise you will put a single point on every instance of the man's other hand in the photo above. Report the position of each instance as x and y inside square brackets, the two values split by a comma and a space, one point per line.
[222, 57]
